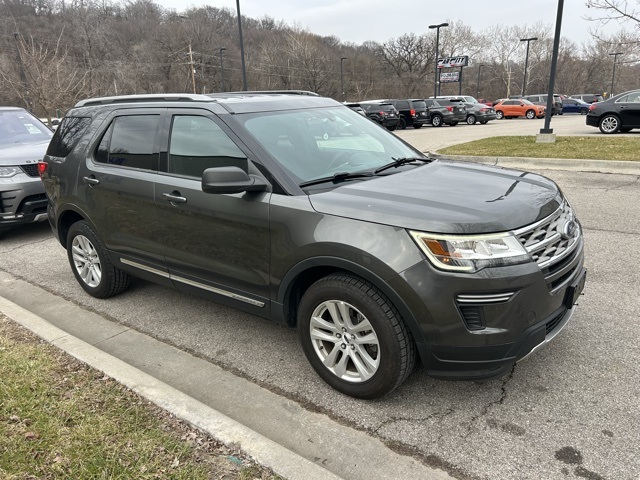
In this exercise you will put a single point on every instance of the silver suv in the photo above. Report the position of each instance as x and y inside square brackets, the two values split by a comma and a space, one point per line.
[23, 143]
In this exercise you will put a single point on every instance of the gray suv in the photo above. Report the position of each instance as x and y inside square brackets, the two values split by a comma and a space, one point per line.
[23, 143]
[377, 254]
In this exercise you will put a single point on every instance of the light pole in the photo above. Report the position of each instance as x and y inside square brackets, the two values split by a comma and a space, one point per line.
[552, 76]
[479, 67]
[342, 78]
[221, 70]
[613, 76]
[244, 70]
[436, 81]
[526, 61]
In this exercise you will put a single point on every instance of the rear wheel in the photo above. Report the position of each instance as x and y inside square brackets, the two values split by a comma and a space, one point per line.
[530, 114]
[436, 121]
[609, 124]
[584, 111]
[471, 120]
[354, 337]
[499, 114]
[402, 124]
[91, 265]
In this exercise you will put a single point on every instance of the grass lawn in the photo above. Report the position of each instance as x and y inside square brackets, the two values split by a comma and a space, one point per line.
[597, 148]
[61, 419]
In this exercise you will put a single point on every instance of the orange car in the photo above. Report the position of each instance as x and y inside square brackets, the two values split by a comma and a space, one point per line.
[518, 107]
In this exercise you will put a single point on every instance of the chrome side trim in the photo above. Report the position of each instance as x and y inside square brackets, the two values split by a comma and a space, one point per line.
[193, 283]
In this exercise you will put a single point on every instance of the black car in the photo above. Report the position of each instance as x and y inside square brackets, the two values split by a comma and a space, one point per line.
[413, 112]
[618, 114]
[23, 143]
[383, 113]
[376, 253]
[445, 112]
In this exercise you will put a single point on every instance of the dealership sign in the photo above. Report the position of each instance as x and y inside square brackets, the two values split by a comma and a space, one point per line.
[449, 62]
[449, 77]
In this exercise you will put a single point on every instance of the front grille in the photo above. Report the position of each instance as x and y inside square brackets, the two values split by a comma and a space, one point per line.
[31, 170]
[552, 239]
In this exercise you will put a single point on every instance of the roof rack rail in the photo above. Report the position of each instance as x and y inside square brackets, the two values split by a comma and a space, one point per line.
[152, 97]
[261, 92]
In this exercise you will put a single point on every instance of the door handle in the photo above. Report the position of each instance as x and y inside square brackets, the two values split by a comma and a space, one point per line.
[174, 197]
[91, 180]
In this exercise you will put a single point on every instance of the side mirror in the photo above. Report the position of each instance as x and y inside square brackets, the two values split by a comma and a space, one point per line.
[230, 180]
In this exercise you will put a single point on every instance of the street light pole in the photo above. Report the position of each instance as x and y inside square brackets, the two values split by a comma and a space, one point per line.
[221, 70]
[436, 81]
[478, 83]
[526, 61]
[342, 78]
[552, 76]
[613, 76]
[244, 70]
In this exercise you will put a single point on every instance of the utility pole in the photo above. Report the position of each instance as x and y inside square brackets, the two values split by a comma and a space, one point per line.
[193, 69]
[23, 75]
[613, 75]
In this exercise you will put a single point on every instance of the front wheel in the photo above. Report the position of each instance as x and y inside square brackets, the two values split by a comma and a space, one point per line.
[471, 120]
[530, 114]
[354, 337]
[91, 265]
[609, 124]
[499, 114]
[436, 121]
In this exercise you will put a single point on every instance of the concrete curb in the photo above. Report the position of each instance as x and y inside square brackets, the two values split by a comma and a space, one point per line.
[528, 163]
[264, 451]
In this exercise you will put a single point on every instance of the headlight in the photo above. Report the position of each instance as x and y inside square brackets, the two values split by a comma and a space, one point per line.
[470, 253]
[6, 172]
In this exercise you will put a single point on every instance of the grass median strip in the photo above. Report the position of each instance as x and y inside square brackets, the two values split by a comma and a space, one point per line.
[595, 148]
[61, 419]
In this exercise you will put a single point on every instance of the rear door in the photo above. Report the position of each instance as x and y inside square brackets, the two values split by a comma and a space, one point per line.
[629, 109]
[214, 243]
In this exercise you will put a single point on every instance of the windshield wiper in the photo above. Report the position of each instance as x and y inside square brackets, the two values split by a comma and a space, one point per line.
[401, 161]
[336, 177]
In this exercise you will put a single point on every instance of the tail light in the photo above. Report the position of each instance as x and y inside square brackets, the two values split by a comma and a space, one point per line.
[592, 106]
[412, 112]
[450, 108]
[42, 168]
[383, 113]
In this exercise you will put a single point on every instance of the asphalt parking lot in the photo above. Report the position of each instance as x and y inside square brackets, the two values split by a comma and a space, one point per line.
[568, 411]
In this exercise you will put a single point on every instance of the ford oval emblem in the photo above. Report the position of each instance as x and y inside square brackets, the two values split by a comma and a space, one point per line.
[568, 230]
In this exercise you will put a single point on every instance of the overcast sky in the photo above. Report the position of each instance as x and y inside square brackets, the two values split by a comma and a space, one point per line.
[361, 20]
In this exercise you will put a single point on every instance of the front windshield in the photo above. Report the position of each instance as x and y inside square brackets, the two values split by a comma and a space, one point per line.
[320, 142]
[19, 126]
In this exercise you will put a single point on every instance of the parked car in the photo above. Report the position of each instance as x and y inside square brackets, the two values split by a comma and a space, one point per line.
[444, 112]
[475, 112]
[413, 112]
[541, 99]
[23, 143]
[620, 113]
[518, 107]
[375, 252]
[574, 105]
[383, 113]
[588, 97]
[356, 107]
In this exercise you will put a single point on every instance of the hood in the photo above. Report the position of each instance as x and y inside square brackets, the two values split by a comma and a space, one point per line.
[446, 197]
[22, 153]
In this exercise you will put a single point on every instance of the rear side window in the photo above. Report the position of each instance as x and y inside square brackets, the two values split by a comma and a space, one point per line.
[402, 105]
[129, 142]
[419, 104]
[67, 136]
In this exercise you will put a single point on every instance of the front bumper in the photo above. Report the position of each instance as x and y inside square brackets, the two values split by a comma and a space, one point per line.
[477, 326]
[592, 120]
[22, 200]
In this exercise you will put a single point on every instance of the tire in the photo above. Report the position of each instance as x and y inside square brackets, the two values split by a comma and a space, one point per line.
[531, 114]
[436, 121]
[484, 122]
[499, 115]
[91, 265]
[471, 120]
[609, 124]
[402, 124]
[368, 355]
[584, 111]
[417, 125]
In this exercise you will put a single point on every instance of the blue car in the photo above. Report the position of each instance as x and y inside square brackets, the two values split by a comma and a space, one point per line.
[575, 105]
